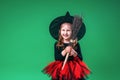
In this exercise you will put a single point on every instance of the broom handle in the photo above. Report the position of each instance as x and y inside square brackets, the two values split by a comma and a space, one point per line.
[66, 58]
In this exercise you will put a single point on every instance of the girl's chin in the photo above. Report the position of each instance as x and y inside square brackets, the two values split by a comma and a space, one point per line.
[66, 38]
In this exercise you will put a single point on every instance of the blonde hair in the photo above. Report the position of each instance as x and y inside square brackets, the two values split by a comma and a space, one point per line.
[60, 40]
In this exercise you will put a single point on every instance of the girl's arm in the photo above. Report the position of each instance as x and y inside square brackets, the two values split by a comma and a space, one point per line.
[73, 53]
[77, 51]
[59, 53]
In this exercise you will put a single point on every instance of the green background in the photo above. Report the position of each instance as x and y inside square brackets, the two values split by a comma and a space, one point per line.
[26, 46]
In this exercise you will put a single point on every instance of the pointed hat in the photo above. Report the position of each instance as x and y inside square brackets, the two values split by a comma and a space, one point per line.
[56, 23]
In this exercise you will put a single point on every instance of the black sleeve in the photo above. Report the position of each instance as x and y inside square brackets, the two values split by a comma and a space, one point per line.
[57, 53]
[78, 50]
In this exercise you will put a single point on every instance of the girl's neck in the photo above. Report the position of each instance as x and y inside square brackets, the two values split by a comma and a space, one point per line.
[66, 41]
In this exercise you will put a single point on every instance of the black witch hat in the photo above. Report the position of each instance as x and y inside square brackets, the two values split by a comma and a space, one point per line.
[56, 23]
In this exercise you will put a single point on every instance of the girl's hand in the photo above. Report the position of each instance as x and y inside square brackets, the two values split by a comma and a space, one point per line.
[73, 53]
[68, 49]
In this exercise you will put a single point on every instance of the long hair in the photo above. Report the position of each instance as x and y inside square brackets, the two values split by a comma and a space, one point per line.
[60, 40]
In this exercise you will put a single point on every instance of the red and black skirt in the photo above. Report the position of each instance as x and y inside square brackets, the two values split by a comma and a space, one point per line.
[73, 70]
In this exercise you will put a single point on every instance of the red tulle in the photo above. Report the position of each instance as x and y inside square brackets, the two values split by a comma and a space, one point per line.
[73, 70]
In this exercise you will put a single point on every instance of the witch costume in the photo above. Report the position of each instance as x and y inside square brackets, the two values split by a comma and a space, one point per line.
[75, 68]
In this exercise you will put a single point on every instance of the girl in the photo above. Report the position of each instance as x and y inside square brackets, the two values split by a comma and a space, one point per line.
[75, 68]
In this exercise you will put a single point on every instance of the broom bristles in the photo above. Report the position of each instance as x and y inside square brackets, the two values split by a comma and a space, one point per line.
[77, 22]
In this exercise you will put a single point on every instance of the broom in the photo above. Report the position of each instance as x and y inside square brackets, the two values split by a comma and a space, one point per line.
[77, 22]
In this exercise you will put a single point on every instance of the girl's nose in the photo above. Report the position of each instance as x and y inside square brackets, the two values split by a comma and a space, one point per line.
[65, 32]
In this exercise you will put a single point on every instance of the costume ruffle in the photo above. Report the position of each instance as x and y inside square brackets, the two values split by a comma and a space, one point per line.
[73, 70]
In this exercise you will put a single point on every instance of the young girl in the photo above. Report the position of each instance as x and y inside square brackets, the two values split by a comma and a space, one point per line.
[75, 68]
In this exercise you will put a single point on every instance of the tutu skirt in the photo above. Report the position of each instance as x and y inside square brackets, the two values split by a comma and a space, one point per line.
[73, 70]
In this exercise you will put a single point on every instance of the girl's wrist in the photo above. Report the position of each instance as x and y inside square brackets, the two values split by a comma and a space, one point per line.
[63, 52]
[75, 54]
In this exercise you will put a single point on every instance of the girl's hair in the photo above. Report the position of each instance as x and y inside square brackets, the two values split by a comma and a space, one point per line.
[60, 40]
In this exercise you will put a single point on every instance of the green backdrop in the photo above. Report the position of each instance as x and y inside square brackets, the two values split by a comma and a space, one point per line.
[26, 46]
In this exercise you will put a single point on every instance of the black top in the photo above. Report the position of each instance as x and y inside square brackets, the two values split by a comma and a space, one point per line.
[58, 50]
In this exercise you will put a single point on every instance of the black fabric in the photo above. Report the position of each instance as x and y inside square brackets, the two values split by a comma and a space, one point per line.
[58, 50]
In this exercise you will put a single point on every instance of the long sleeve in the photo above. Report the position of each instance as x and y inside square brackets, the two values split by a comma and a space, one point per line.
[57, 53]
[78, 50]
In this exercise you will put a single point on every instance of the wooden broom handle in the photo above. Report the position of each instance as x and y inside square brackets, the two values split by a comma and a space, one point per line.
[66, 58]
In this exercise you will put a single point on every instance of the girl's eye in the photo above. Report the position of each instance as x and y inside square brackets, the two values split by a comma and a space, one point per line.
[68, 30]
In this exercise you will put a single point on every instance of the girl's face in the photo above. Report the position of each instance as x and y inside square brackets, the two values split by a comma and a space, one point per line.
[66, 31]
